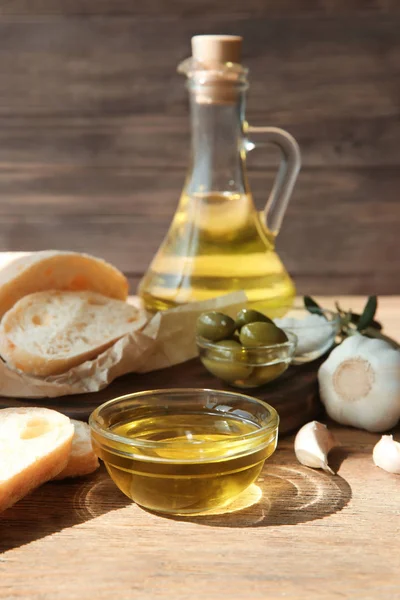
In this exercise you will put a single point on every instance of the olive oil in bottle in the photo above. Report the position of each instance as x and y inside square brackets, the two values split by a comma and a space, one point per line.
[200, 461]
[216, 244]
[218, 241]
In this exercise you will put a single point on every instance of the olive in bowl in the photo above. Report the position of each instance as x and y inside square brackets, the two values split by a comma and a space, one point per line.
[215, 326]
[261, 334]
[248, 315]
[255, 354]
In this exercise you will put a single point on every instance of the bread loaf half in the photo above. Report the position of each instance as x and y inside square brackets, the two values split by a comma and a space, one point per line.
[53, 270]
[82, 460]
[35, 445]
[48, 333]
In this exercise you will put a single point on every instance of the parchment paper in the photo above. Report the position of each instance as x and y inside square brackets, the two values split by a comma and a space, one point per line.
[166, 339]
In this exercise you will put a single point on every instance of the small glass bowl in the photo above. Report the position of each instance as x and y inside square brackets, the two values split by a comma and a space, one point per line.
[184, 451]
[315, 333]
[247, 367]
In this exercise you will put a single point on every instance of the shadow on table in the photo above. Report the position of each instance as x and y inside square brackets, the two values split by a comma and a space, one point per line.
[56, 506]
[283, 495]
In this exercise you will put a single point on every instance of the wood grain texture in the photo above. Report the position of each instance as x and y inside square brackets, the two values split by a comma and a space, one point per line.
[192, 8]
[309, 536]
[341, 229]
[101, 91]
[94, 131]
[85, 539]
[155, 141]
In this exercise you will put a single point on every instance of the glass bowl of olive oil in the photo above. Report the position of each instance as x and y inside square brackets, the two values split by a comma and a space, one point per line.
[246, 367]
[184, 451]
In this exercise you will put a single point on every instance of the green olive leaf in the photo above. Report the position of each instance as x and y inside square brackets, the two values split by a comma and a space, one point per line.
[368, 313]
[355, 318]
[312, 306]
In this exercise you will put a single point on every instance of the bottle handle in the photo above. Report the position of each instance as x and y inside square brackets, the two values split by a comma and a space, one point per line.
[285, 179]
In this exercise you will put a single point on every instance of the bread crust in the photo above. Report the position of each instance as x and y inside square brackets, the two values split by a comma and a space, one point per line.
[37, 466]
[53, 269]
[82, 459]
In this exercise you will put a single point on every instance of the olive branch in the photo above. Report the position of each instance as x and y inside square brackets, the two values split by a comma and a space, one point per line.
[351, 322]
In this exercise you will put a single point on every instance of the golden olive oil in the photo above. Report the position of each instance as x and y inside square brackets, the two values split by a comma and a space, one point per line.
[217, 243]
[200, 460]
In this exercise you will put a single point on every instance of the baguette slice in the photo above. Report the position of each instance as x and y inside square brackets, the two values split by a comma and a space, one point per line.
[48, 333]
[82, 459]
[53, 270]
[35, 444]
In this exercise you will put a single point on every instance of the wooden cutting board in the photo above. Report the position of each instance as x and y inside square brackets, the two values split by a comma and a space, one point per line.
[294, 394]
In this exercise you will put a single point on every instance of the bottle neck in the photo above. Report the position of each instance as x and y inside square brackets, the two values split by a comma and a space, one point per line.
[217, 140]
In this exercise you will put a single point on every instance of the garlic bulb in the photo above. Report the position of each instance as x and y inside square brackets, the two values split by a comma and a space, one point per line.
[312, 445]
[386, 454]
[360, 384]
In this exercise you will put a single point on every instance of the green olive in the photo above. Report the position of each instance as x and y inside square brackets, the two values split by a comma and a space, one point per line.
[261, 334]
[231, 350]
[262, 375]
[247, 315]
[215, 326]
[225, 362]
[230, 345]
[227, 370]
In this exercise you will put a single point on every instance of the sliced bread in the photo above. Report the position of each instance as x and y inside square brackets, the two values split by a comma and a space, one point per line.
[48, 333]
[35, 444]
[54, 270]
[82, 459]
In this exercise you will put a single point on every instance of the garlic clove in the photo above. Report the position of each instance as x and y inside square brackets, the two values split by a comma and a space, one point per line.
[312, 445]
[386, 454]
[359, 384]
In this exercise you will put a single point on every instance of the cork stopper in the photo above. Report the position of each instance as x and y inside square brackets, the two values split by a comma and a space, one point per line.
[211, 49]
[218, 68]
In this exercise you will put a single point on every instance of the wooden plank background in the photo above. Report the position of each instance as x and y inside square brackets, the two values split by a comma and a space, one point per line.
[94, 132]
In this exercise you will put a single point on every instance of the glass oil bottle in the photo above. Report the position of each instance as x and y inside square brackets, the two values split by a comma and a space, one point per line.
[218, 242]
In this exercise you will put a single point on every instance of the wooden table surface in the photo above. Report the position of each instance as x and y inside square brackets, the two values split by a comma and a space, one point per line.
[299, 534]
